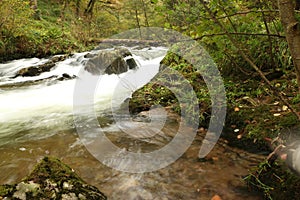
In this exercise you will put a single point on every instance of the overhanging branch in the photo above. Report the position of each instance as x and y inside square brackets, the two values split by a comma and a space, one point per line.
[238, 33]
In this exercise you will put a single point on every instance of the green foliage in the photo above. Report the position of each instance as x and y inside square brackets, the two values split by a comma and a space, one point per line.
[253, 179]
[140, 13]
[58, 29]
[249, 23]
[274, 181]
[6, 190]
[15, 15]
[296, 99]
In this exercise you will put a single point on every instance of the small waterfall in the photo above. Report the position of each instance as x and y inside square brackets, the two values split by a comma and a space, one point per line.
[41, 109]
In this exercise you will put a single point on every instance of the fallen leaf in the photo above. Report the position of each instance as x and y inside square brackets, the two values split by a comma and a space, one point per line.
[285, 108]
[216, 197]
[214, 158]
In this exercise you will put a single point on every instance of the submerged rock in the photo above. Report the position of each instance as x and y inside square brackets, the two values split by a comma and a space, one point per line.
[110, 62]
[51, 179]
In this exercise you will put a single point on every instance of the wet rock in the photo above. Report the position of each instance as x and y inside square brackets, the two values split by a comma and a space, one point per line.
[110, 62]
[49, 80]
[90, 55]
[65, 76]
[131, 63]
[37, 70]
[29, 83]
[51, 179]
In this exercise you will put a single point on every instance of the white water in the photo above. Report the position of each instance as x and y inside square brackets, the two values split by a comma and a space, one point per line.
[41, 110]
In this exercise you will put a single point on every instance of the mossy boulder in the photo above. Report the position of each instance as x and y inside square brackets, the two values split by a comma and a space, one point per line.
[51, 179]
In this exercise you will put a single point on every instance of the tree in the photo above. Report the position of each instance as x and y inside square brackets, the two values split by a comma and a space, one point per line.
[78, 8]
[292, 31]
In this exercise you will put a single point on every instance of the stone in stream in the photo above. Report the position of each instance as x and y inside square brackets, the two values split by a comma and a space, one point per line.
[51, 179]
[110, 62]
[131, 63]
[49, 80]
[37, 70]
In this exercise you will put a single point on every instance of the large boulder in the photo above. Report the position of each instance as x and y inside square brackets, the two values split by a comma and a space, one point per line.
[51, 179]
[37, 70]
[110, 62]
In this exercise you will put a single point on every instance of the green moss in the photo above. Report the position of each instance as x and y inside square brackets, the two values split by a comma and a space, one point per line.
[288, 120]
[51, 179]
[6, 190]
[53, 169]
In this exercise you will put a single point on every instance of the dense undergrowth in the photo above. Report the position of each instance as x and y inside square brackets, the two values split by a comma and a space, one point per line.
[254, 116]
[24, 35]
[253, 112]
[53, 28]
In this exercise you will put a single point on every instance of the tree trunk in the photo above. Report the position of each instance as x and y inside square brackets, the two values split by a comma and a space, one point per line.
[34, 6]
[138, 21]
[90, 7]
[297, 5]
[78, 8]
[145, 13]
[292, 31]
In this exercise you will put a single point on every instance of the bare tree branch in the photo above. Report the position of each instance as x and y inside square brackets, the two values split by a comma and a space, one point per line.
[239, 33]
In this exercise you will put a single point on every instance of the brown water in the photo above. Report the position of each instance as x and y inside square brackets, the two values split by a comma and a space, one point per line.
[187, 178]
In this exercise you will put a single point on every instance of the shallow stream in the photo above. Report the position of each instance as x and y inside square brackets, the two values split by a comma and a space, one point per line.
[36, 120]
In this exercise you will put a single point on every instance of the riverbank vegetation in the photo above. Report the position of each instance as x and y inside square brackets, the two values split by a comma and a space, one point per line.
[250, 41]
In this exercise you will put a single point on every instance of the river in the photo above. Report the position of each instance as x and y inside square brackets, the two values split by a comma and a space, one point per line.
[36, 120]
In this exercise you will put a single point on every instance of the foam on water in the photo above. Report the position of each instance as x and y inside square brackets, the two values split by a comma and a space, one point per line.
[50, 104]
